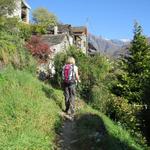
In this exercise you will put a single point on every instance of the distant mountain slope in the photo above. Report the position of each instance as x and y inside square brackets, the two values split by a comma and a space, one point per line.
[112, 48]
[104, 46]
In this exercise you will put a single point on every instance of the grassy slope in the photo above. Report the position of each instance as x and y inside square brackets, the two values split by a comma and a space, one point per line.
[96, 131]
[29, 117]
[29, 114]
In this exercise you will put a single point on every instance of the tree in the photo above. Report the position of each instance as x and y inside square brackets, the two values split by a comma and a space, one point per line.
[135, 68]
[42, 16]
[133, 80]
[139, 52]
[7, 7]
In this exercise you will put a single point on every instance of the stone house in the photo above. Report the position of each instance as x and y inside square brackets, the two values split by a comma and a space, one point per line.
[59, 38]
[80, 37]
[62, 36]
[22, 11]
[57, 43]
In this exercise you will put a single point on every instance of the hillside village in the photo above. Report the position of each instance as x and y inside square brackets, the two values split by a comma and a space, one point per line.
[63, 35]
[58, 37]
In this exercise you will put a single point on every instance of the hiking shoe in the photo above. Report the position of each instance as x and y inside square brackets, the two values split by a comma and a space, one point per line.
[68, 113]
[72, 116]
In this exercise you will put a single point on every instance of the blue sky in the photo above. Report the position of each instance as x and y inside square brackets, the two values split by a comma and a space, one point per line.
[111, 19]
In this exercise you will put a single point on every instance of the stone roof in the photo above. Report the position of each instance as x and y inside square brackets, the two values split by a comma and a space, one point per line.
[80, 29]
[61, 28]
[25, 3]
[53, 39]
[64, 28]
[68, 29]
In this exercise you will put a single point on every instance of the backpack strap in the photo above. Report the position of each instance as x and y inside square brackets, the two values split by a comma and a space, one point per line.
[73, 72]
[63, 77]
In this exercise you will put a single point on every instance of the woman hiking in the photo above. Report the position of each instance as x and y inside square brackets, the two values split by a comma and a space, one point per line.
[70, 78]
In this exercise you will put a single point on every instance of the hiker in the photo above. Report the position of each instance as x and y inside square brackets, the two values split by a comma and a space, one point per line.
[70, 78]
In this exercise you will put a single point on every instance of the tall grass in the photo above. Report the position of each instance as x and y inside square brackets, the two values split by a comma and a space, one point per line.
[96, 131]
[29, 113]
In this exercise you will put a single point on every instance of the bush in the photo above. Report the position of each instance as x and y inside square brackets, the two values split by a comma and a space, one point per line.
[15, 27]
[38, 29]
[25, 31]
[12, 49]
[38, 48]
[92, 70]
[13, 52]
[9, 25]
[126, 114]
[100, 98]
[81, 62]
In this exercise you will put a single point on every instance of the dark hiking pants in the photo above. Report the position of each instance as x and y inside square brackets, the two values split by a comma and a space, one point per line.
[69, 93]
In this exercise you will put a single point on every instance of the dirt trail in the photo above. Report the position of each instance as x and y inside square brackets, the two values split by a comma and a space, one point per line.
[67, 138]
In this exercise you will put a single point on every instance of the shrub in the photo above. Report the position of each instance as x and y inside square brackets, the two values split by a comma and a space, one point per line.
[100, 97]
[38, 48]
[126, 114]
[15, 27]
[13, 52]
[25, 30]
[92, 70]
[9, 25]
[38, 29]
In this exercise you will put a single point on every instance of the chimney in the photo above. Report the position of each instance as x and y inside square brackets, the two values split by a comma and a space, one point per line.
[55, 30]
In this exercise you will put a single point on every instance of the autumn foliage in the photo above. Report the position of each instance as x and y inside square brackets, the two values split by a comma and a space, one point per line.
[38, 48]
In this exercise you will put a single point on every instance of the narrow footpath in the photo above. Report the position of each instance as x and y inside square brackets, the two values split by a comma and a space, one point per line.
[67, 137]
[84, 132]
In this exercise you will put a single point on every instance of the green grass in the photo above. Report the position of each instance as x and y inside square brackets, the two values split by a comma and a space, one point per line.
[29, 118]
[96, 131]
[29, 112]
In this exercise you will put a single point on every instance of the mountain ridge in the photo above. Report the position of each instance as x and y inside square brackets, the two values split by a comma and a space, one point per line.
[110, 47]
